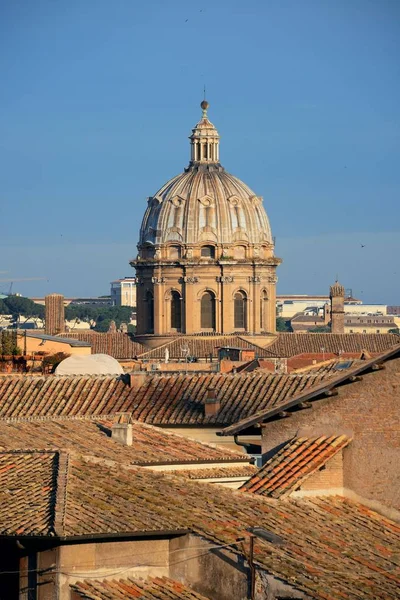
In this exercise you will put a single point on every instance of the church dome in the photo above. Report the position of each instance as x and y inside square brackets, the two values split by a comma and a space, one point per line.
[205, 204]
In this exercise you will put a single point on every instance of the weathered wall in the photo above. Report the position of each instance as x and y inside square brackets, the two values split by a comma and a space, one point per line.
[216, 573]
[103, 560]
[328, 479]
[209, 435]
[367, 410]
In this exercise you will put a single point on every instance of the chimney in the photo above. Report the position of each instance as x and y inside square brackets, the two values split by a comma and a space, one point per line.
[212, 403]
[121, 429]
[137, 379]
[54, 314]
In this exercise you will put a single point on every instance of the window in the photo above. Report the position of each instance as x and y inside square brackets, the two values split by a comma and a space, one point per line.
[149, 312]
[263, 310]
[176, 311]
[240, 311]
[174, 252]
[207, 320]
[208, 252]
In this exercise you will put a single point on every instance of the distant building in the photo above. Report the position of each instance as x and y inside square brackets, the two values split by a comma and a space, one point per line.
[123, 292]
[369, 323]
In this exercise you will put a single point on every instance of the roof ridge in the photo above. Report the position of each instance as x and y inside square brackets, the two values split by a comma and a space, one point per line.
[61, 493]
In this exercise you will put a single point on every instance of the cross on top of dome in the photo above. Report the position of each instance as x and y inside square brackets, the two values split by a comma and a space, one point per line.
[204, 140]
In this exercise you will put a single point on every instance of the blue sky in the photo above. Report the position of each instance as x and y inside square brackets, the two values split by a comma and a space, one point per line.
[97, 99]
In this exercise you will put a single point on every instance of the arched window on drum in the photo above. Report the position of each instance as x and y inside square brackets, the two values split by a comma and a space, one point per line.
[240, 310]
[207, 317]
[149, 302]
[263, 310]
[176, 311]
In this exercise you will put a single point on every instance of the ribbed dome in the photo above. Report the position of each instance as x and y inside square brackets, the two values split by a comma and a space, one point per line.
[205, 203]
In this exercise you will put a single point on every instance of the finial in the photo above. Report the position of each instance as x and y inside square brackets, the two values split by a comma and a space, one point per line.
[204, 105]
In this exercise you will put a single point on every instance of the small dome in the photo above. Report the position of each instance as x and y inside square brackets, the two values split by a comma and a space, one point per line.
[204, 105]
[92, 364]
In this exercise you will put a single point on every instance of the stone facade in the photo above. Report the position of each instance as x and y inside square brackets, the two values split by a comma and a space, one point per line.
[206, 254]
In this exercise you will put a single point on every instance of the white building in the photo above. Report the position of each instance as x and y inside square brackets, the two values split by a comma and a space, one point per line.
[123, 292]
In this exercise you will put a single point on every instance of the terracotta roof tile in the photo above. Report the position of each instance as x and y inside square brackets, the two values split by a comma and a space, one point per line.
[202, 346]
[291, 344]
[151, 445]
[293, 464]
[28, 489]
[333, 547]
[153, 588]
[225, 472]
[161, 400]
[119, 345]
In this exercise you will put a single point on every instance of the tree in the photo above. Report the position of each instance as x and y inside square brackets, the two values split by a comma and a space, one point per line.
[395, 330]
[282, 324]
[320, 329]
[18, 305]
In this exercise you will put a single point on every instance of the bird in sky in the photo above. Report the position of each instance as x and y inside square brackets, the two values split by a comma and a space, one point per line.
[362, 245]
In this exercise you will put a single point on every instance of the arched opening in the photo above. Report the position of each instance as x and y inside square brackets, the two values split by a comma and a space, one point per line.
[176, 311]
[263, 310]
[240, 310]
[207, 252]
[148, 252]
[149, 300]
[207, 320]
[174, 252]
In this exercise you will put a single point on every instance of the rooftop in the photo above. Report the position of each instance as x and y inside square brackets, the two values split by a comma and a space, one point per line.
[333, 548]
[293, 464]
[153, 588]
[291, 344]
[161, 400]
[150, 445]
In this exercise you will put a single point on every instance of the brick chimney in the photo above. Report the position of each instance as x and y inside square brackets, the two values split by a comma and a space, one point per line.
[54, 314]
[121, 429]
[212, 404]
[137, 379]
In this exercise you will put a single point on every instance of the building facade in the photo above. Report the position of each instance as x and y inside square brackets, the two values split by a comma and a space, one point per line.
[123, 292]
[206, 259]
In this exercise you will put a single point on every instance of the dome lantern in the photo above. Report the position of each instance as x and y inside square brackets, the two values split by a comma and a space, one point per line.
[204, 141]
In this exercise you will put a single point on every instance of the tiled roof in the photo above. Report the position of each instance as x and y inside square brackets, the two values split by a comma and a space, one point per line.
[119, 345]
[333, 547]
[153, 588]
[161, 400]
[151, 445]
[293, 464]
[319, 390]
[28, 491]
[291, 344]
[202, 347]
[219, 472]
